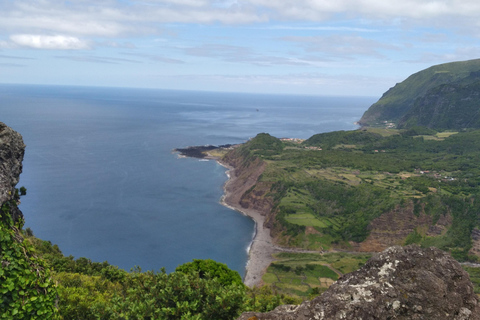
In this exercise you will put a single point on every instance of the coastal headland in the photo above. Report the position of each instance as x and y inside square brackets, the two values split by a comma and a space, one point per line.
[351, 193]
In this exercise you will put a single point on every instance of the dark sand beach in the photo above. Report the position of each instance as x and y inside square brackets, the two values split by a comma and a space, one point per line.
[262, 247]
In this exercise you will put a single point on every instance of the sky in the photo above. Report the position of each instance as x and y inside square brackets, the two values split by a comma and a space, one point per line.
[319, 47]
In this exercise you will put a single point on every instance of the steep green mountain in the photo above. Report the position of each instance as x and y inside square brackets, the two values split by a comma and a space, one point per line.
[399, 100]
[452, 106]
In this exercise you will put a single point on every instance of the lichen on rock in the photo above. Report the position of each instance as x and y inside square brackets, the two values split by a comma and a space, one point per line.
[399, 283]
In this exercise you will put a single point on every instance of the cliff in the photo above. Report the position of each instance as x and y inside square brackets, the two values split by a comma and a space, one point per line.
[248, 190]
[399, 283]
[27, 290]
[446, 107]
[400, 100]
[12, 150]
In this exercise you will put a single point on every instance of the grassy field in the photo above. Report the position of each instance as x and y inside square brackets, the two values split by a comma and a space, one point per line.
[474, 274]
[219, 152]
[306, 219]
[384, 132]
[439, 136]
[307, 274]
[302, 202]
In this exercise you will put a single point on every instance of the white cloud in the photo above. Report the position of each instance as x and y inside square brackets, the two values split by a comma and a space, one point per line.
[292, 83]
[5, 44]
[237, 54]
[323, 28]
[9, 65]
[190, 3]
[461, 53]
[111, 18]
[344, 46]
[57, 42]
[4, 56]
[377, 9]
[114, 18]
[97, 59]
[156, 58]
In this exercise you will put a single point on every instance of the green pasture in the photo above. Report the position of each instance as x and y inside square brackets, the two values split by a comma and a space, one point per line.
[306, 274]
[384, 132]
[474, 273]
[306, 219]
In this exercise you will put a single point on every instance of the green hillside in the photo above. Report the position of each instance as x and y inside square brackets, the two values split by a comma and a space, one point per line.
[358, 190]
[400, 99]
[453, 106]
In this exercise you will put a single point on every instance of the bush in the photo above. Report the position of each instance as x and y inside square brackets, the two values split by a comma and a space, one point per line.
[26, 288]
[178, 295]
[211, 269]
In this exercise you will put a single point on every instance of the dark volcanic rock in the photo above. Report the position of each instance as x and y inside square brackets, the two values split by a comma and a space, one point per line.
[12, 150]
[399, 283]
[199, 151]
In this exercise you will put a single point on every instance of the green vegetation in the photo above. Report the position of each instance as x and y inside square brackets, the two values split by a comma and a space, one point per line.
[419, 131]
[307, 274]
[209, 268]
[326, 198]
[26, 289]
[331, 139]
[397, 101]
[201, 289]
[474, 273]
[452, 106]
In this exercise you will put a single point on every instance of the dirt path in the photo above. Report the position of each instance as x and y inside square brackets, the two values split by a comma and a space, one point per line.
[333, 269]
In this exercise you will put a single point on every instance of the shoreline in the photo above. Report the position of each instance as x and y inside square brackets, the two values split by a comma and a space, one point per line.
[261, 248]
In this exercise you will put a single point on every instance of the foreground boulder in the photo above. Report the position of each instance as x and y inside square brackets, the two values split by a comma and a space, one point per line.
[399, 283]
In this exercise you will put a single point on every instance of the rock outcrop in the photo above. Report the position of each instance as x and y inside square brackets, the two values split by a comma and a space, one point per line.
[393, 227]
[12, 150]
[246, 190]
[399, 283]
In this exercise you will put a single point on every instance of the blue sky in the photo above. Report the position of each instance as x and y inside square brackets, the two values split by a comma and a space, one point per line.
[322, 47]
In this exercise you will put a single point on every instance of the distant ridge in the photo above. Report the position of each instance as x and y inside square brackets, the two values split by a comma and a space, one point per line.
[433, 97]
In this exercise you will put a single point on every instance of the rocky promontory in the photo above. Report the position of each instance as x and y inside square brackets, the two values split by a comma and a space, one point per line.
[399, 283]
[199, 151]
[12, 150]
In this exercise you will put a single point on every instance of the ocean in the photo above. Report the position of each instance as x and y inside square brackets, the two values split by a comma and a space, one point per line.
[102, 180]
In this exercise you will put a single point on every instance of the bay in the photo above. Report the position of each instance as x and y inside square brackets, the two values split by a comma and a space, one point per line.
[102, 180]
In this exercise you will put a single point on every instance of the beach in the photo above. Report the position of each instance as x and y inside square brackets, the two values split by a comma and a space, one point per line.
[262, 248]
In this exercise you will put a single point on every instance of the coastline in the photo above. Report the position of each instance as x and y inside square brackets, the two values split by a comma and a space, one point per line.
[261, 249]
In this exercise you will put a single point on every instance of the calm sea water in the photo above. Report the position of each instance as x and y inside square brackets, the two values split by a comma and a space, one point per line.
[102, 181]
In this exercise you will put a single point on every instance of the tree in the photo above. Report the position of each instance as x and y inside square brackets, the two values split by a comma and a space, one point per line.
[211, 269]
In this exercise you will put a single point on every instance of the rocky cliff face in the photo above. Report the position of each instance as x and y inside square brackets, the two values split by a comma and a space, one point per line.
[12, 150]
[246, 190]
[399, 283]
[393, 227]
